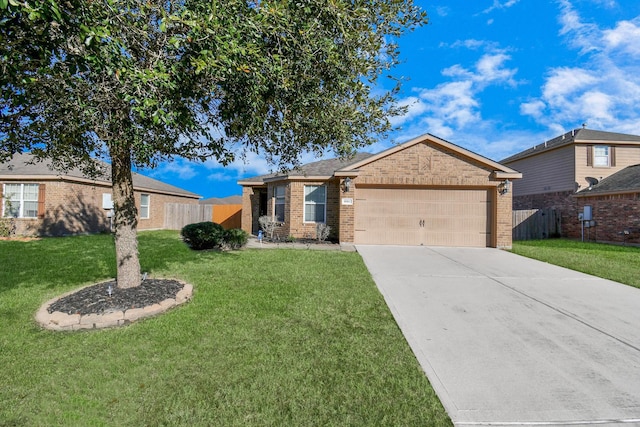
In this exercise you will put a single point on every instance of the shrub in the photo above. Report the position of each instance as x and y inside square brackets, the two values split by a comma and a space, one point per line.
[268, 225]
[7, 227]
[235, 238]
[322, 231]
[203, 235]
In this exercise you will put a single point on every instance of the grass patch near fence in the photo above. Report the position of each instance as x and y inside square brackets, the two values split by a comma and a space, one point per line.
[618, 263]
[271, 337]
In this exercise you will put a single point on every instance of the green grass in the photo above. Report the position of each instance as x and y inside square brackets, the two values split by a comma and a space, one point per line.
[270, 338]
[618, 263]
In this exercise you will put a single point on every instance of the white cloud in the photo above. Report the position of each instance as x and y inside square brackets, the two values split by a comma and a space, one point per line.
[181, 168]
[625, 37]
[452, 109]
[442, 10]
[604, 91]
[415, 107]
[497, 4]
[563, 82]
[534, 109]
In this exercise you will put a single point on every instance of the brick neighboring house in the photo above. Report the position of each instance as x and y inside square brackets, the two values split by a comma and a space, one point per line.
[48, 203]
[558, 170]
[615, 207]
[426, 191]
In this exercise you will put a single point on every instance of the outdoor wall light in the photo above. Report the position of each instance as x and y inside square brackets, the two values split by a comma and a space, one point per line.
[346, 186]
[504, 186]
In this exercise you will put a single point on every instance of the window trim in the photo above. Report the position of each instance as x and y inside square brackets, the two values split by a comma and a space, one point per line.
[22, 200]
[596, 157]
[279, 200]
[147, 206]
[305, 203]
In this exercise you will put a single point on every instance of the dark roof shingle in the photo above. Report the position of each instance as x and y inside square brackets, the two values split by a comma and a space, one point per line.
[24, 165]
[320, 168]
[628, 179]
[576, 135]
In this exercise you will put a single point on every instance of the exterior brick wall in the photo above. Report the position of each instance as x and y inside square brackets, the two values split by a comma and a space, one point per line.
[420, 165]
[614, 215]
[423, 164]
[503, 220]
[76, 208]
[563, 202]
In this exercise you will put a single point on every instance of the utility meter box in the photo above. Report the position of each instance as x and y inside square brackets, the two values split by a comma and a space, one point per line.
[586, 214]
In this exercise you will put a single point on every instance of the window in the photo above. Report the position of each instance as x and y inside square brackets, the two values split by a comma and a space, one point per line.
[20, 200]
[315, 202]
[279, 203]
[601, 155]
[144, 206]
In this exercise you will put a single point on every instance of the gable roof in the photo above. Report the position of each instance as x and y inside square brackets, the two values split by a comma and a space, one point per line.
[576, 136]
[230, 200]
[22, 166]
[500, 170]
[625, 181]
[323, 169]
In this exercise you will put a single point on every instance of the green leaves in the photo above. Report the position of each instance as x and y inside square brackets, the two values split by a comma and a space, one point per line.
[277, 77]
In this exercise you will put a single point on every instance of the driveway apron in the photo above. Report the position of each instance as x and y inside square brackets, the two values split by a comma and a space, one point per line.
[506, 340]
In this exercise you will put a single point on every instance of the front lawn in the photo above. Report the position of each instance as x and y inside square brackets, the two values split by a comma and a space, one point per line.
[271, 337]
[618, 263]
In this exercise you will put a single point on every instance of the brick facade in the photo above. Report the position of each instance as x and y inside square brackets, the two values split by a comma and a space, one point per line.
[419, 164]
[616, 218]
[76, 208]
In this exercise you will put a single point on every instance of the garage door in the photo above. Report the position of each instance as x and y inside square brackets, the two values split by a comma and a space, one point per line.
[430, 217]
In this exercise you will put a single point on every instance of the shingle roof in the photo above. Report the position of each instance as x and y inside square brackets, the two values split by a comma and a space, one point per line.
[20, 165]
[626, 180]
[231, 200]
[575, 136]
[319, 168]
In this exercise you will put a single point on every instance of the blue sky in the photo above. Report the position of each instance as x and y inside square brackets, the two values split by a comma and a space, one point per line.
[495, 77]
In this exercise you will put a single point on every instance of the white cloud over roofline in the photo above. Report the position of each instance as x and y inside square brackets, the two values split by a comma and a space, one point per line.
[604, 91]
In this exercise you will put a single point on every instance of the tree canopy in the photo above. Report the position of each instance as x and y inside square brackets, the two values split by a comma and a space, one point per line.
[137, 82]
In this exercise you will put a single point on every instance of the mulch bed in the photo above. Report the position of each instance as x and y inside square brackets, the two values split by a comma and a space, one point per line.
[96, 299]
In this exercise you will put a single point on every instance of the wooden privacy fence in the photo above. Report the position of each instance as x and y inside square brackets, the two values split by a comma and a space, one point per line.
[228, 216]
[536, 224]
[178, 215]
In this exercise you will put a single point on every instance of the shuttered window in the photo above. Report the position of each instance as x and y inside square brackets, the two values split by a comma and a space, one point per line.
[22, 200]
[601, 156]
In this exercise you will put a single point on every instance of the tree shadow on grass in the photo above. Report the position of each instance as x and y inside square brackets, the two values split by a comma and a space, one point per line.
[66, 263]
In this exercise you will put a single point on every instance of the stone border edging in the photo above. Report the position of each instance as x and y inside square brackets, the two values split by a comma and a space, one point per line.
[58, 321]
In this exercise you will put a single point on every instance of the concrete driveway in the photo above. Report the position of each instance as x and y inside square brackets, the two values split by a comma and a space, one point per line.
[506, 340]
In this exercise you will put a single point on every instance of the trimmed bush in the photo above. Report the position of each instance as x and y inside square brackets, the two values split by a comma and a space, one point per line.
[203, 235]
[7, 227]
[235, 238]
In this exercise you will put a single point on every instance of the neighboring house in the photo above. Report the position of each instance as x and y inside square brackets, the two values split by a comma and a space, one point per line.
[50, 203]
[555, 172]
[227, 211]
[426, 191]
[615, 207]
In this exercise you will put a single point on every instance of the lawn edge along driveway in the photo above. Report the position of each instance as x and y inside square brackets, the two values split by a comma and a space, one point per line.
[506, 339]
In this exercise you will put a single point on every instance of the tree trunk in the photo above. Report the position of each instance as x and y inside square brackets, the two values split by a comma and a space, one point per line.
[125, 218]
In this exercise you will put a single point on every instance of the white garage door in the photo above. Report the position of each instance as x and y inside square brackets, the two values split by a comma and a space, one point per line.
[430, 217]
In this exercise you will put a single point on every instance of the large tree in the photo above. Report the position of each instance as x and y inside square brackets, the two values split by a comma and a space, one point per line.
[137, 82]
